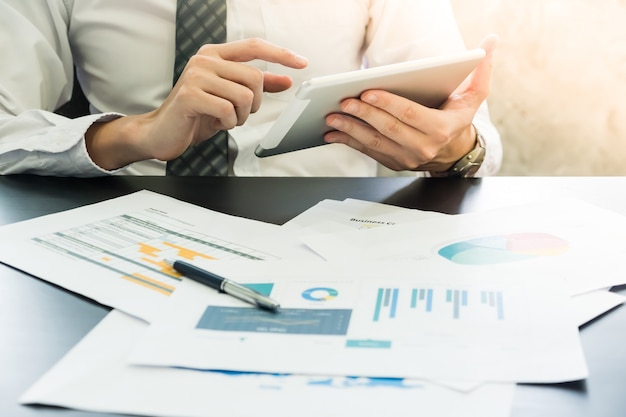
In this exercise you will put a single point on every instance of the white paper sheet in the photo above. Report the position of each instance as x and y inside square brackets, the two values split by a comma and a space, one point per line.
[574, 240]
[94, 376]
[333, 216]
[379, 319]
[593, 304]
[112, 251]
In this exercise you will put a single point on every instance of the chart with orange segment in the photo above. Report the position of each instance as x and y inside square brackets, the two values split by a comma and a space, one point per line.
[133, 246]
[113, 251]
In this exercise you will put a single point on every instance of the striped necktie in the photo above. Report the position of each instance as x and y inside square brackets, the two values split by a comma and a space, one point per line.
[199, 22]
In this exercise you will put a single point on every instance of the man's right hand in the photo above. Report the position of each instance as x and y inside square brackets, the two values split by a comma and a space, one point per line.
[216, 91]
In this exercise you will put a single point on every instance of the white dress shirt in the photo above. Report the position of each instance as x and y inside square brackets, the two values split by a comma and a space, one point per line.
[124, 52]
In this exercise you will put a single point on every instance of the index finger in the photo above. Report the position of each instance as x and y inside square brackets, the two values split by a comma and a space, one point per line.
[401, 108]
[255, 48]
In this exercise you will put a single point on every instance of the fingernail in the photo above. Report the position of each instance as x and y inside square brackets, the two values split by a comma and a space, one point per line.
[334, 122]
[330, 137]
[350, 107]
[370, 98]
[301, 60]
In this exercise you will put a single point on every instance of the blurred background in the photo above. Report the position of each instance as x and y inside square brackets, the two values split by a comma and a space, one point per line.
[559, 89]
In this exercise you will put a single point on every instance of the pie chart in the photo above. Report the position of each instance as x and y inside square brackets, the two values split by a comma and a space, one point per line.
[498, 249]
[320, 294]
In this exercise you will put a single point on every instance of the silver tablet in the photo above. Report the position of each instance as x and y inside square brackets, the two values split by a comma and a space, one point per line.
[428, 81]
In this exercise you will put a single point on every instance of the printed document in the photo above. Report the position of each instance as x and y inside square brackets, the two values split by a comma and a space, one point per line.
[571, 239]
[94, 376]
[113, 251]
[391, 320]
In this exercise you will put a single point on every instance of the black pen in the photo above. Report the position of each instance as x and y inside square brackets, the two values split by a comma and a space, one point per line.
[224, 285]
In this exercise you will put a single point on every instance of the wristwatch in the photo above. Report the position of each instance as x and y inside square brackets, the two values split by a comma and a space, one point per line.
[470, 162]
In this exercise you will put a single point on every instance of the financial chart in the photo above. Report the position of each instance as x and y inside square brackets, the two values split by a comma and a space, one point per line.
[134, 246]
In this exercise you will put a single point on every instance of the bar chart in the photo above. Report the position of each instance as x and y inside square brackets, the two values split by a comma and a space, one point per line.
[448, 303]
[133, 246]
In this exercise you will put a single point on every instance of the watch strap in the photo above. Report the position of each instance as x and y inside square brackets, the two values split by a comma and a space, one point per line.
[471, 161]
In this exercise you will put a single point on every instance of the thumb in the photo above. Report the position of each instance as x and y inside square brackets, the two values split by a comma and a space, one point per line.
[477, 85]
[475, 88]
[481, 78]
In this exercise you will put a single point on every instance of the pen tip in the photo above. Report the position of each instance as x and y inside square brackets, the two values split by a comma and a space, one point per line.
[274, 308]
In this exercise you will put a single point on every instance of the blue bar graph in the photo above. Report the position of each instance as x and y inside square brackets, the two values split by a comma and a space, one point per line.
[493, 299]
[456, 304]
[387, 298]
[422, 296]
[458, 298]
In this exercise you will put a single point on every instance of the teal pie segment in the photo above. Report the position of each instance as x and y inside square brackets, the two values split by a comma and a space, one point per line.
[499, 249]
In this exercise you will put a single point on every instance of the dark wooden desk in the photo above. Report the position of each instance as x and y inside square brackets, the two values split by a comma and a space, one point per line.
[39, 322]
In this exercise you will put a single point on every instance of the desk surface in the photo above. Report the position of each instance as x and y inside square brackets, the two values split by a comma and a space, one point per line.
[40, 322]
